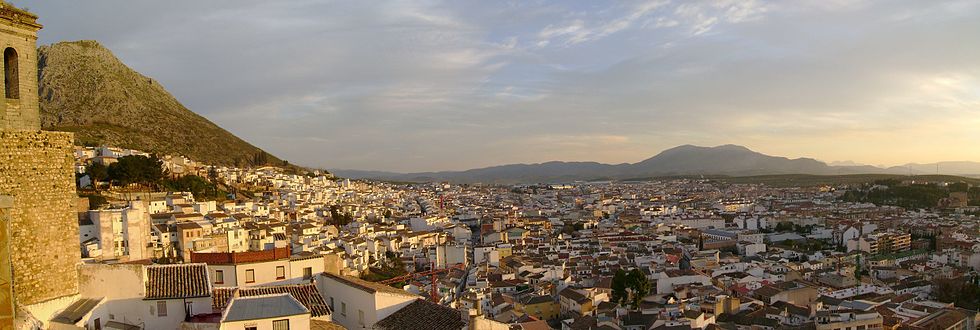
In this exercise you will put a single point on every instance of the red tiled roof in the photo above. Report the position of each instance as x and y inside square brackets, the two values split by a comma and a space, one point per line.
[422, 314]
[177, 281]
[226, 258]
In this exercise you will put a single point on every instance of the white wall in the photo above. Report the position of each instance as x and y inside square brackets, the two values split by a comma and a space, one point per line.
[388, 304]
[120, 284]
[228, 272]
[265, 272]
[295, 322]
[296, 267]
[123, 288]
[374, 306]
[666, 284]
[339, 294]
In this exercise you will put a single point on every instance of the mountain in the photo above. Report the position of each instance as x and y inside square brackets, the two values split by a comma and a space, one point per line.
[723, 160]
[85, 89]
[728, 160]
[683, 160]
[950, 168]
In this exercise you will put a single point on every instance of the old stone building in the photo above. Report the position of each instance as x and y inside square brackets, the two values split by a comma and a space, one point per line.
[38, 225]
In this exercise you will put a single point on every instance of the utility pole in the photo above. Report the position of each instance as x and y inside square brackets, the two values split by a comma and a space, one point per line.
[434, 292]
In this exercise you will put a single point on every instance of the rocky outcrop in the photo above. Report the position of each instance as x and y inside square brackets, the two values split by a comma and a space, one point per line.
[85, 89]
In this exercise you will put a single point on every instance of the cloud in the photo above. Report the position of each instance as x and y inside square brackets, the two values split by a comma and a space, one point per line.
[577, 31]
[434, 85]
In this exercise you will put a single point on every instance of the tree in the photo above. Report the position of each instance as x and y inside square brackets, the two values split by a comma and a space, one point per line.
[629, 288]
[213, 175]
[619, 294]
[857, 268]
[784, 226]
[137, 169]
[195, 185]
[260, 158]
[962, 291]
[639, 286]
[95, 201]
[339, 218]
[97, 172]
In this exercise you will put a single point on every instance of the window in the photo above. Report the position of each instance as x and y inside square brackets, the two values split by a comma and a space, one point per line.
[280, 325]
[249, 276]
[360, 317]
[161, 308]
[252, 328]
[343, 308]
[219, 277]
[307, 273]
[331, 305]
[11, 79]
[280, 272]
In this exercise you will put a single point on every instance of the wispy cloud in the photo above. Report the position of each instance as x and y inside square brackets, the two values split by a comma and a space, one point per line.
[431, 85]
[578, 31]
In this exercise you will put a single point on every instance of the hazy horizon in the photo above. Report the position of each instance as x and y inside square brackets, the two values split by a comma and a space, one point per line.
[830, 163]
[429, 86]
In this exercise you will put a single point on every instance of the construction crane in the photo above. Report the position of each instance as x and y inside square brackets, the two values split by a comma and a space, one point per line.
[433, 278]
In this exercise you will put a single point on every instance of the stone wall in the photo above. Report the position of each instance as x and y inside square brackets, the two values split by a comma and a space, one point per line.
[36, 169]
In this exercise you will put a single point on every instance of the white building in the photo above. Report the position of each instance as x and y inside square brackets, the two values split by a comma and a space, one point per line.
[360, 304]
[252, 268]
[265, 312]
[121, 233]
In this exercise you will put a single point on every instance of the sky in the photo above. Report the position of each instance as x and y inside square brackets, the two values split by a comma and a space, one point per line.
[449, 85]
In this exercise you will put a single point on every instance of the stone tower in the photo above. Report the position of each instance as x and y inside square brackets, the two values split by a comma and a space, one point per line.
[39, 248]
[18, 41]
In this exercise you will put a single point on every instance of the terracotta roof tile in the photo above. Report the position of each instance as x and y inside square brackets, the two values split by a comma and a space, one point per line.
[177, 281]
[422, 314]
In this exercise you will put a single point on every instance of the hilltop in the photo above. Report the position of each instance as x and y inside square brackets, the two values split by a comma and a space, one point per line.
[85, 89]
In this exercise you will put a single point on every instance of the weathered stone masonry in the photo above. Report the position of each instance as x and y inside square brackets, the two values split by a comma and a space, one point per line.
[37, 175]
[36, 170]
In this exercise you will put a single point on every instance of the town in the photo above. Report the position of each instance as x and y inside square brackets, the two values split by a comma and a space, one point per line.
[202, 231]
[677, 253]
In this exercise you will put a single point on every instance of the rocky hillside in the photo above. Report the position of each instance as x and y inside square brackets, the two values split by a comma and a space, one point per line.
[85, 89]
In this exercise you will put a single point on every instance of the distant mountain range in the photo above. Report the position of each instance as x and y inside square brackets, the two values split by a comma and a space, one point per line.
[729, 160]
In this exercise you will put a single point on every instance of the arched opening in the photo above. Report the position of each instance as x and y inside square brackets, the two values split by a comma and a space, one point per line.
[11, 82]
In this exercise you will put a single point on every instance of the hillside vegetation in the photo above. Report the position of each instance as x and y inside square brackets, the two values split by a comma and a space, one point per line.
[85, 89]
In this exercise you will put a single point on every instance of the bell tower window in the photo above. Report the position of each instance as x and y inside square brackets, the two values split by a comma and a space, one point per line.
[11, 82]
